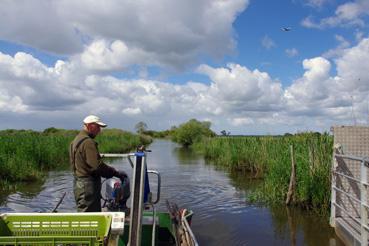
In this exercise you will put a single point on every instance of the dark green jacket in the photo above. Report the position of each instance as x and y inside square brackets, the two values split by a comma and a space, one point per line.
[85, 159]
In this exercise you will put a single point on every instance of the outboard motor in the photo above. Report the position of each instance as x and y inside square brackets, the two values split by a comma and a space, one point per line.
[116, 194]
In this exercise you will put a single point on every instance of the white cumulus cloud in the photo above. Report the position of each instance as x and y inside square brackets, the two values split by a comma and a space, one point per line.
[337, 51]
[292, 52]
[267, 42]
[311, 87]
[31, 83]
[328, 92]
[237, 89]
[317, 3]
[241, 121]
[347, 14]
[175, 32]
[353, 67]
[341, 98]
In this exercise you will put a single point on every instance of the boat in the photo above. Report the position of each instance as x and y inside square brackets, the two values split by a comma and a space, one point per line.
[141, 224]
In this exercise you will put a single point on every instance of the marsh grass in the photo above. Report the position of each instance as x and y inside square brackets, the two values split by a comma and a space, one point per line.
[119, 141]
[268, 157]
[25, 155]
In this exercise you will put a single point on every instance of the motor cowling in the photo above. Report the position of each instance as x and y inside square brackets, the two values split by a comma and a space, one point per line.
[117, 194]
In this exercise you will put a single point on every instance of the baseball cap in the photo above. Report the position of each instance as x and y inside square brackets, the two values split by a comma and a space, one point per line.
[94, 119]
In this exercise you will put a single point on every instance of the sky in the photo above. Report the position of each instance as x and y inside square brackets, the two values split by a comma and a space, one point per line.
[164, 62]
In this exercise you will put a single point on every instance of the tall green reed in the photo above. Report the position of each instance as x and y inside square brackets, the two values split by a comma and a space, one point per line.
[269, 157]
[26, 155]
[119, 141]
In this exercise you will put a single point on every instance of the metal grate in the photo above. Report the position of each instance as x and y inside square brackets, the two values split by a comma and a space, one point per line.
[349, 178]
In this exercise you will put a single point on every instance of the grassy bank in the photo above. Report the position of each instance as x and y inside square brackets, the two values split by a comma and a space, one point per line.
[25, 155]
[269, 158]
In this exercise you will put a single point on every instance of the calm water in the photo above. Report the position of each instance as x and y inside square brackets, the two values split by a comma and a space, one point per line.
[222, 214]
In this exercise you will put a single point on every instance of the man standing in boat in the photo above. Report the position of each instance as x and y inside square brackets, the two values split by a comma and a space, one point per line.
[88, 167]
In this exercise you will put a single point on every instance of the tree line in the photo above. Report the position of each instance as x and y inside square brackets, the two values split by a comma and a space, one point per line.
[188, 133]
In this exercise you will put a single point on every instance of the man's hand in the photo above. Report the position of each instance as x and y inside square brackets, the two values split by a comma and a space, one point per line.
[122, 176]
[141, 148]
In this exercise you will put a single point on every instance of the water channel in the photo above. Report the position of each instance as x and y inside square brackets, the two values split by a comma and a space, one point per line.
[219, 199]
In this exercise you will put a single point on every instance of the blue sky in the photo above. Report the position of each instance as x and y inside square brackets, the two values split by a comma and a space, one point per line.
[166, 62]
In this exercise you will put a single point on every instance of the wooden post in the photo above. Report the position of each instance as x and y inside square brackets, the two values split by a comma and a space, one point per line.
[292, 186]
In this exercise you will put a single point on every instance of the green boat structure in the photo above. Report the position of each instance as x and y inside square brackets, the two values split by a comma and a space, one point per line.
[141, 224]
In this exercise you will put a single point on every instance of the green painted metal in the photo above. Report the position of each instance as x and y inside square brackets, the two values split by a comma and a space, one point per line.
[54, 229]
[164, 231]
[93, 229]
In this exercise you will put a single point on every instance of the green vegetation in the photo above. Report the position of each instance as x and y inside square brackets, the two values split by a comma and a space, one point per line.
[159, 134]
[141, 127]
[186, 134]
[119, 141]
[269, 157]
[191, 132]
[26, 154]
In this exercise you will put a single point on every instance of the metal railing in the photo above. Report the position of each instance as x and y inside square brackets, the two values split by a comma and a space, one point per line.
[362, 182]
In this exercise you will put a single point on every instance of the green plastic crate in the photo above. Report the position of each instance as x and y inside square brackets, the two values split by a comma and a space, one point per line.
[55, 228]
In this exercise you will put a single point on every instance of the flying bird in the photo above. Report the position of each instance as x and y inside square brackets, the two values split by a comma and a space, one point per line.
[286, 29]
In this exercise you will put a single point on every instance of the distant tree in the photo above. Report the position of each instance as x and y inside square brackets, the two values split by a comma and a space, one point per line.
[141, 127]
[225, 133]
[51, 130]
[192, 131]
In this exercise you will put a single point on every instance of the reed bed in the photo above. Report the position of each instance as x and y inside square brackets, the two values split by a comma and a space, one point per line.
[269, 157]
[26, 155]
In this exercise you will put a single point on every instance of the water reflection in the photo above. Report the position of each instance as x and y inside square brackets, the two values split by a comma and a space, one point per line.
[244, 181]
[291, 225]
[186, 156]
[302, 227]
[3, 195]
